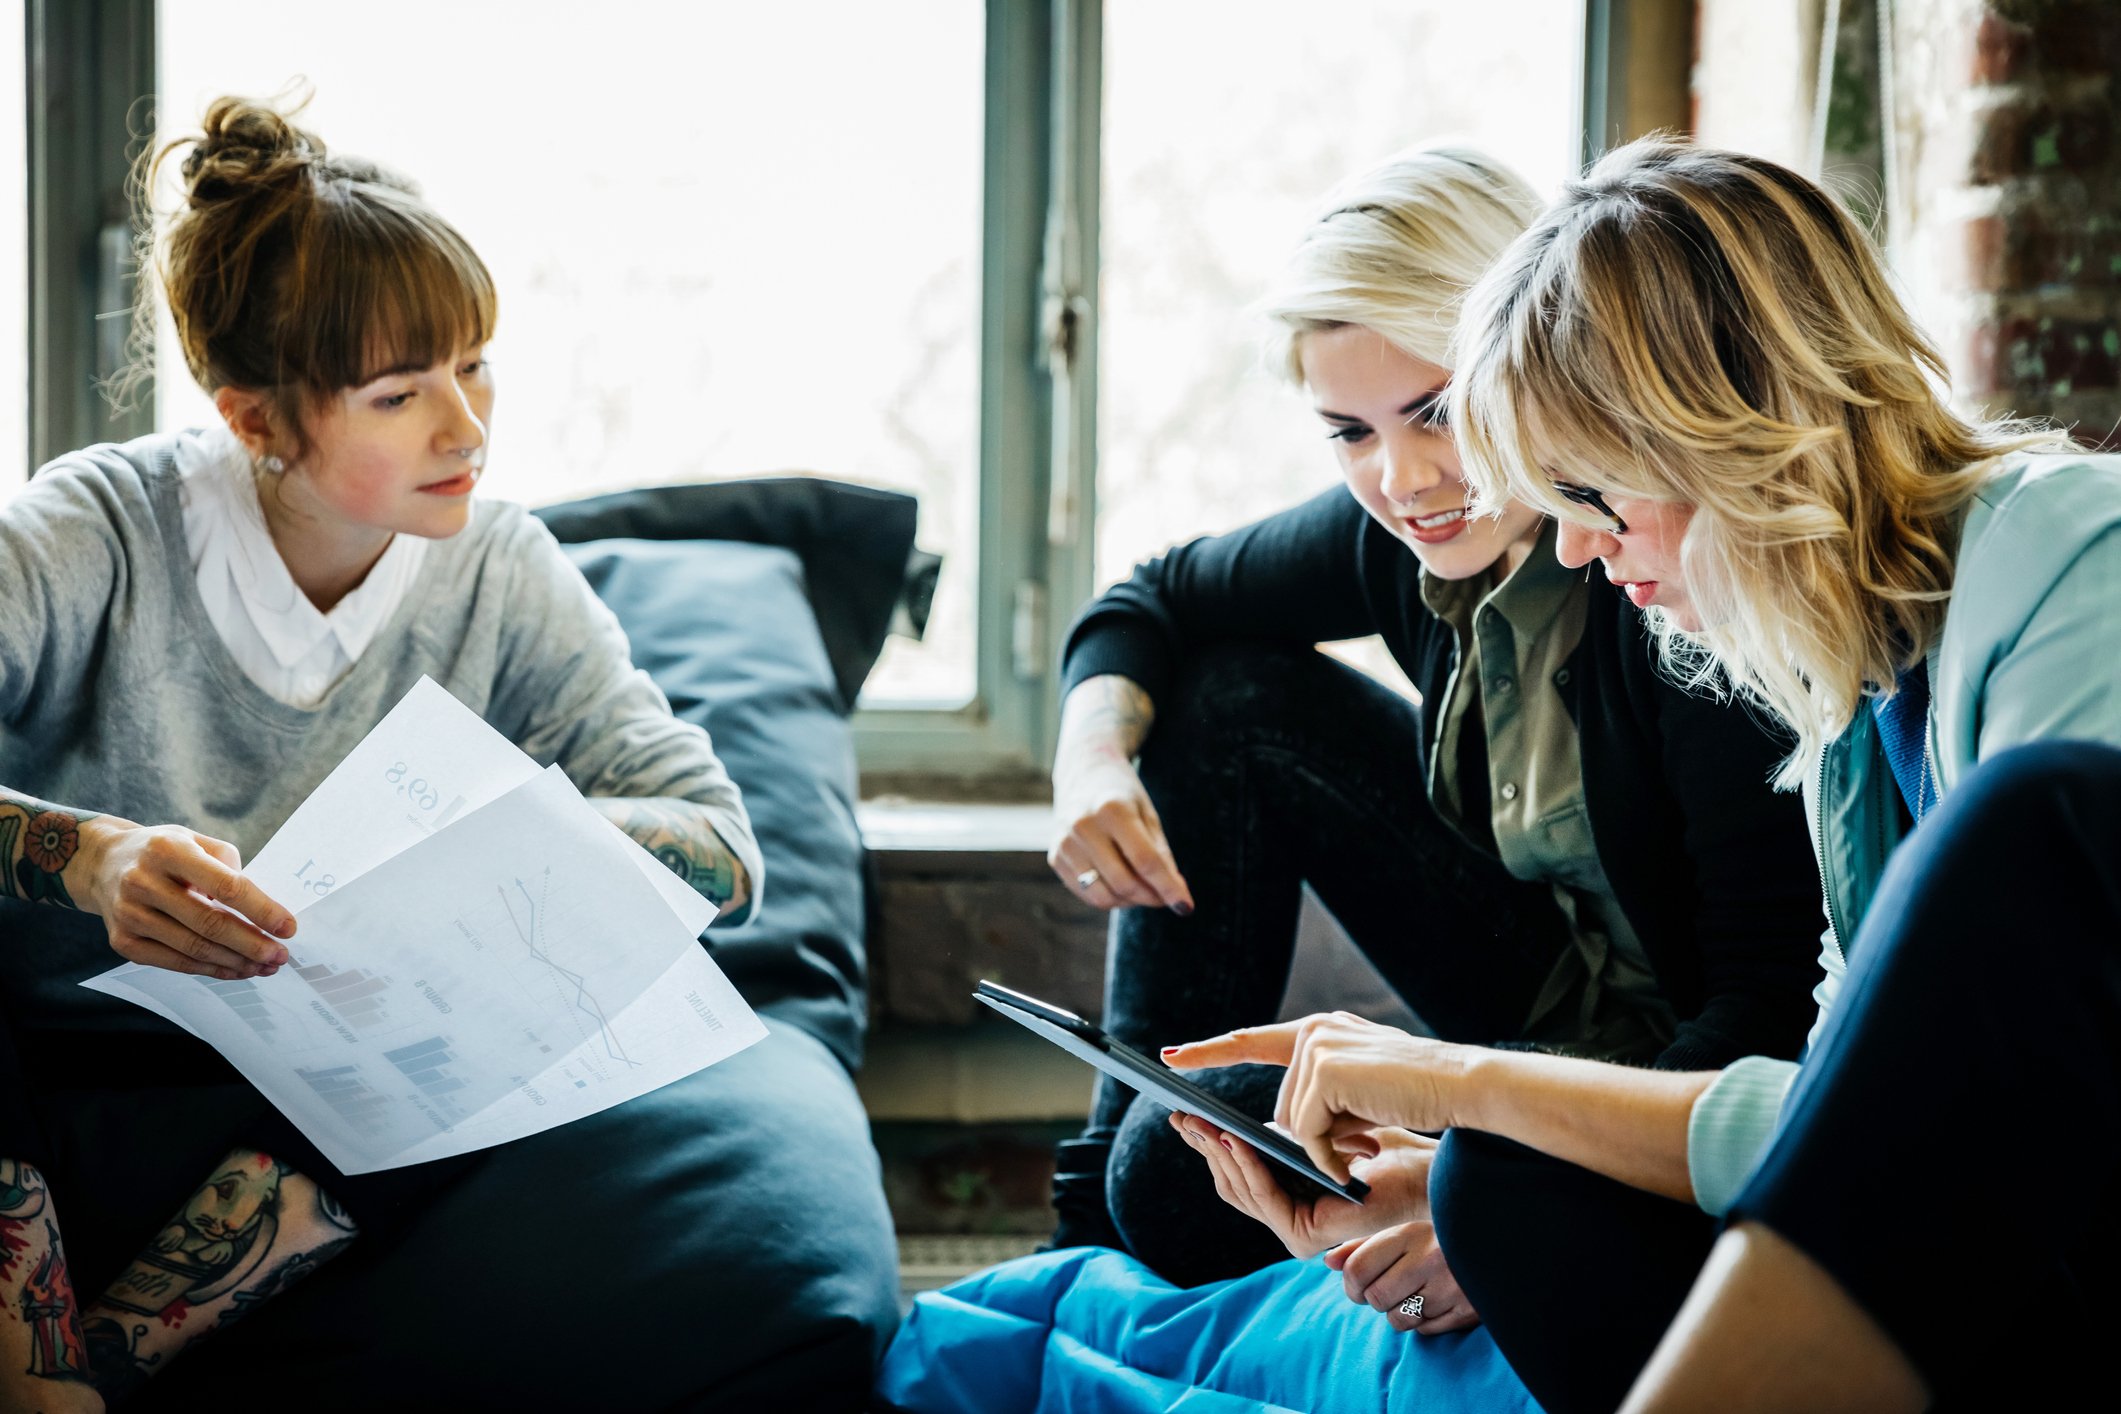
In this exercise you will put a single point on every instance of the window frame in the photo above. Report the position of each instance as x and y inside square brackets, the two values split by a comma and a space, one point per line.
[88, 63]
[1037, 476]
[1037, 482]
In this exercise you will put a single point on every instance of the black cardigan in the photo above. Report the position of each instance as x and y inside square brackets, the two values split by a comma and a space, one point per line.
[1712, 867]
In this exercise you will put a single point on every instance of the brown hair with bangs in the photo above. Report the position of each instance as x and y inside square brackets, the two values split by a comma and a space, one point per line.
[298, 273]
[1710, 328]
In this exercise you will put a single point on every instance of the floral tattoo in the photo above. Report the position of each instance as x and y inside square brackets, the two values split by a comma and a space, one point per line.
[37, 842]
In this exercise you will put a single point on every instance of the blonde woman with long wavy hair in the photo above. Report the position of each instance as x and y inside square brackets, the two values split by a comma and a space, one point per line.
[1696, 362]
[1481, 848]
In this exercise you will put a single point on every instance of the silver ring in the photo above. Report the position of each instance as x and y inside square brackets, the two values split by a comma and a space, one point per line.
[1086, 880]
[1411, 1307]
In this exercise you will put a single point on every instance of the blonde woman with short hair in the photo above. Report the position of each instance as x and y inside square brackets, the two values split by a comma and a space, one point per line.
[1697, 363]
[1480, 846]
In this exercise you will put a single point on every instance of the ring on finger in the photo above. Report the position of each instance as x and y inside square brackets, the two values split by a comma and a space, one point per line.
[1087, 880]
[1411, 1307]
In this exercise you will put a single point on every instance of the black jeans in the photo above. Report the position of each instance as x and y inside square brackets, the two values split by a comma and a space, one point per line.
[1576, 1276]
[1950, 1153]
[1273, 768]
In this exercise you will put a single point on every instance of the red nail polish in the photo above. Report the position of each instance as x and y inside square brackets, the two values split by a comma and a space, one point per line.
[1225, 1142]
[1170, 1050]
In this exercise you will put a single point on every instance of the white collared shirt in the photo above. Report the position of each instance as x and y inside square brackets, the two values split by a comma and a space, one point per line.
[283, 643]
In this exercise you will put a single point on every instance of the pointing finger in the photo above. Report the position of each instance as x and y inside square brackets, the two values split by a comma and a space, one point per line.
[1257, 1045]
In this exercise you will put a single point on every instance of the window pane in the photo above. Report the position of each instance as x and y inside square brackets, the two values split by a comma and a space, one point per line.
[1224, 124]
[14, 255]
[728, 240]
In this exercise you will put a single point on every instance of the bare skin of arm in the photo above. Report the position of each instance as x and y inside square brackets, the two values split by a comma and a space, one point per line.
[678, 833]
[1104, 821]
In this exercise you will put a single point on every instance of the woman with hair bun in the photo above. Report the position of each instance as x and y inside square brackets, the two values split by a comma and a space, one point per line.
[1695, 361]
[196, 628]
[1555, 848]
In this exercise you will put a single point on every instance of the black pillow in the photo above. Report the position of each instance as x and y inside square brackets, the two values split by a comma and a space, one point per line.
[727, 632]
[855, 543]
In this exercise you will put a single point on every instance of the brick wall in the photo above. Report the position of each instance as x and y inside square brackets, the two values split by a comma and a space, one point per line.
[2007, 225]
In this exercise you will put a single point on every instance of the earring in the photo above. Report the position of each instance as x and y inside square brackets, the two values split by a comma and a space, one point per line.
[274, 465]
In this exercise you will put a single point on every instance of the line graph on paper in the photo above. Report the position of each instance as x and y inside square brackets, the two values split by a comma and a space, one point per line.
[571, 986]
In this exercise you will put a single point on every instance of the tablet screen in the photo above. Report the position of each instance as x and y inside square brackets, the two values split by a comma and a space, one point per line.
[1158, 1081]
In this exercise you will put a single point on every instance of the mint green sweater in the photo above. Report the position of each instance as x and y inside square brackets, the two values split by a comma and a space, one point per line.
[117, 695]
[2031, 651]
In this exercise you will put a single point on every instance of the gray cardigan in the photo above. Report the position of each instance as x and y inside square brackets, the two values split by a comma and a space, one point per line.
[118, 696]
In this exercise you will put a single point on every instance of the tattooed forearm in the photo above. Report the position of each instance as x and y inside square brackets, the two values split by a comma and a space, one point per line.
[253, 1229]
[219, 1238]
[678, 833]
[1106, 714]
[57, 1350]
[44, 1360]
[37, 842]
[21, 1198]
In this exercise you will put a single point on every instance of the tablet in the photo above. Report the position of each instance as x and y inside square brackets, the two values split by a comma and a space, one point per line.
[1159, 1082]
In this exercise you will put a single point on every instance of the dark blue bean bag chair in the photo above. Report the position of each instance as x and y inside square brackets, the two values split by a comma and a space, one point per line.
[1091, 1328]
[722, 1243]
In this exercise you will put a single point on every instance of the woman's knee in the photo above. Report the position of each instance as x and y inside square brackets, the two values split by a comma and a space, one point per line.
[1227, 694]
[2028, 782]
[1162, 1196]
[1476, 1191]
[2047, 813]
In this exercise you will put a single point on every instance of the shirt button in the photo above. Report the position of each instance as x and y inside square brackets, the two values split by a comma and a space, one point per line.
[1509, 790]
[1504, 684]
[1561, 679]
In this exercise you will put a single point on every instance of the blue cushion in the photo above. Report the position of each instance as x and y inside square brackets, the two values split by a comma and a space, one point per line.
[726, 631]
[855, 542]
[1090, 1328]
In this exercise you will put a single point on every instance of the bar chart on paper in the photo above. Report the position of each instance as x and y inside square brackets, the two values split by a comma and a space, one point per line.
[247, 1001]
[426, 1064]
[341, 1087]
[356, 995]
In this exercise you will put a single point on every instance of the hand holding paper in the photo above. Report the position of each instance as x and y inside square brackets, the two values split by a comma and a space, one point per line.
[480, 956]
[172, 898]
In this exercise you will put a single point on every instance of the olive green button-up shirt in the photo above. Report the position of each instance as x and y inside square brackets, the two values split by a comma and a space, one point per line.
[1506, 772]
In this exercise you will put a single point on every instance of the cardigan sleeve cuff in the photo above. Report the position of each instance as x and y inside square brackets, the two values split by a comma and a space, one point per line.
[1109, 643]
[1730, 1126]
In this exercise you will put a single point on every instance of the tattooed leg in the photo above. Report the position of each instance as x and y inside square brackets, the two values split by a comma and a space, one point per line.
[676, 832]
[43, 1358]
[251, 1231]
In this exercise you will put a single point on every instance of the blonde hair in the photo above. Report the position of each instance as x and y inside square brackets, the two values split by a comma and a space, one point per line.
[1710, 328]
[298, 272]
[1394, 249]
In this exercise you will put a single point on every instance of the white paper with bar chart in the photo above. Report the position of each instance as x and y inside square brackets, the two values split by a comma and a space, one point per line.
[486, 957]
